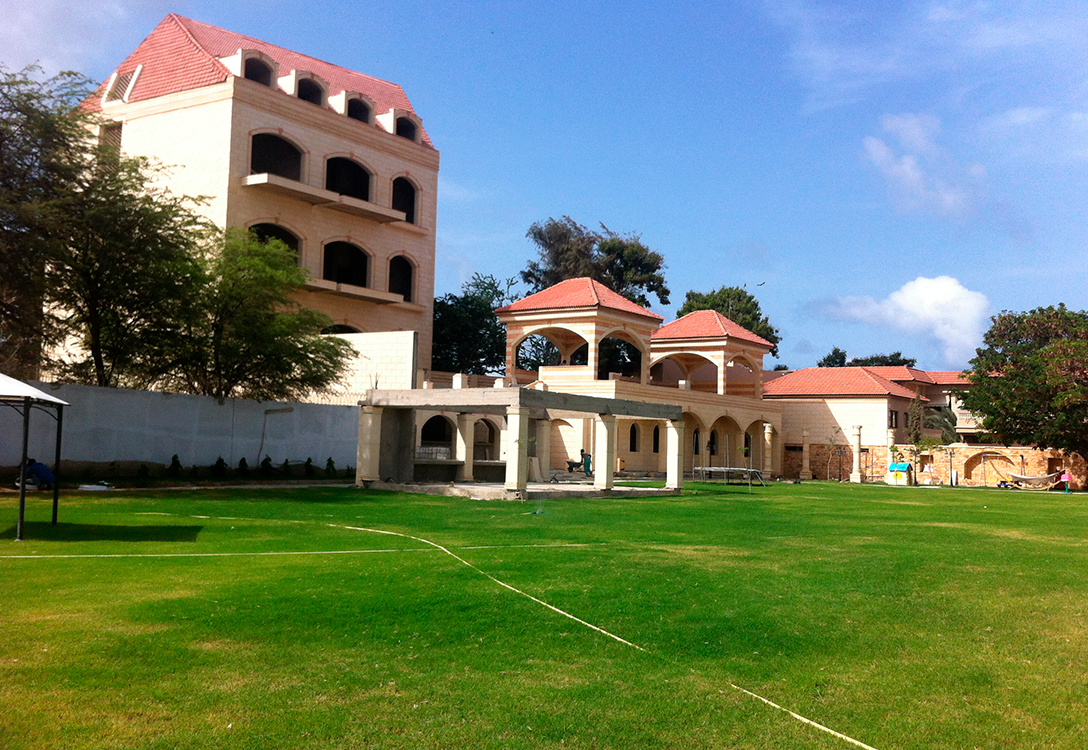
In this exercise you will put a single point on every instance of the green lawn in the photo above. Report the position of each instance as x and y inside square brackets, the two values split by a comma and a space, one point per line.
[904, 618]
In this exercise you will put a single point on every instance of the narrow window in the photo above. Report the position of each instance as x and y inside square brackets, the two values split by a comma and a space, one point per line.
[657, 439]
[266, 232]
[893, 420]
[404, 199]
[347, 178]
[713, 442]
[633, 441]
[406, 128]
[695, 441]
[274, 155]
[400, 277]
[309, 91]
[345, 263]
[257, 71]
[111, 136]
[357, 110]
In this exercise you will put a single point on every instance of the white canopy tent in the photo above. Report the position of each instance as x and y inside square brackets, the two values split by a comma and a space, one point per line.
[25, 398]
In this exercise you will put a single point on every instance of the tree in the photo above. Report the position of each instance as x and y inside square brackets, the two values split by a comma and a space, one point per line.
[124, 266]
[835, 358]
[916, 416]
[1027, 381]
[883, 360]
[622, 263]
[245, 336]
[945, 421]
[468, 336]
[737, 304]
[42, 153]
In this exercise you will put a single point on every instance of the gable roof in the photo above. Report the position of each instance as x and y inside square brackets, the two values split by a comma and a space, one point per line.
[182, 54]
[948, 377]
[581, 292]
[901, 373]
[835, 381]
[707, 324]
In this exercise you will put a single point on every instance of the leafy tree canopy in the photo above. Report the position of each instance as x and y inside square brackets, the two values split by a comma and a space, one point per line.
[468, 336]
[837, 358]
[737, 304]
[622, 263]
[1029, 380]
[244, 335]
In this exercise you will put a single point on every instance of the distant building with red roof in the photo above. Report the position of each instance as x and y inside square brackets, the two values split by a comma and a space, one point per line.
[333, 162]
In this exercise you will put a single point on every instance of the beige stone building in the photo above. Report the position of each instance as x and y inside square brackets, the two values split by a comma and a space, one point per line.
[333, 162]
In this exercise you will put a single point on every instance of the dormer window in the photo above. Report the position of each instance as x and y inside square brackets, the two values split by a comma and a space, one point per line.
[255, 70]
[357, 110]
[406, 128]
[310, 91]
[120, 86]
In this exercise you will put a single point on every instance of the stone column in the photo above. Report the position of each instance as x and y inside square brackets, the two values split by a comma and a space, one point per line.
[768, 449]
[855, 475]
[370, 442]
[891, 445]
[517, 449]
[463, 443]
[719, 362]
[674, 455]
[544, 447]
[806, 455]
[604, 453]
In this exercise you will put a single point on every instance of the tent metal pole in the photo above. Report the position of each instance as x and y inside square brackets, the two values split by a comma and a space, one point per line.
[56, 464]
[22, 471]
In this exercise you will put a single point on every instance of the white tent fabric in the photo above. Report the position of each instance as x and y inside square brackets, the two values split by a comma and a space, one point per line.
[12, 389]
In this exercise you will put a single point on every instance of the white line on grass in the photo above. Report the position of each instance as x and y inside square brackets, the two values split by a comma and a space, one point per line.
[209, 554]
[797, 716]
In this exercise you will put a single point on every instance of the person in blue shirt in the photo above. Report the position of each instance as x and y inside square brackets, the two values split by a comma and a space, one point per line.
[38, 475]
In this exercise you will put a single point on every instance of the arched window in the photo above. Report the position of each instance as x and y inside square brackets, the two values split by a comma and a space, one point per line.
[406, 128]
[266, 232]
[633, 440]
[436, 439]
[345, 264]
[275, 155]
[357, 110]
[713, 442]
[256, 70]
[695, 441]
[311, 91]
[657, 439]
[404, 198]
[400, 277]
[347, 178]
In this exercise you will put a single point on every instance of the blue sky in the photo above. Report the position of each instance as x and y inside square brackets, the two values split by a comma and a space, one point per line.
[882, 176]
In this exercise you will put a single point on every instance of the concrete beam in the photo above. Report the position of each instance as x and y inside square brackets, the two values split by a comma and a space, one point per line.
[498, 400]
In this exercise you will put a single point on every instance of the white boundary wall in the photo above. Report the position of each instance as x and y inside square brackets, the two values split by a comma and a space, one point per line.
[113, 424]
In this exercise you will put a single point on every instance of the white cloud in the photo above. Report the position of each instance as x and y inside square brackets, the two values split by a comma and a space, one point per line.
[939, 309]
[924, 177]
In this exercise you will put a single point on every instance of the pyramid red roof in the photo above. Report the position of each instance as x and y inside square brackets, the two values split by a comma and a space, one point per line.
[707, 324]
[582, 292]
[181, 54]
[835, 381]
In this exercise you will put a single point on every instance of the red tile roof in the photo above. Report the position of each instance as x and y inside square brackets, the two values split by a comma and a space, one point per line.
[707, 324]
[900, 373]
[948, 377]
[835, 381]
[181, 54]
[582, 292]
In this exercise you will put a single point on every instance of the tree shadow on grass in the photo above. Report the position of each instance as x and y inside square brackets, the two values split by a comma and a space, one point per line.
[89, 532]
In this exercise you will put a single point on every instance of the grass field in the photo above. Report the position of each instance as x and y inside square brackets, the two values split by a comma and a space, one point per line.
[903, 618]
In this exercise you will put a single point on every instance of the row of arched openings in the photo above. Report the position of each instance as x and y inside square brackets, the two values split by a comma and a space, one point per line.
[635, 436]
[311, 91]
[272, 154]
[347, 263]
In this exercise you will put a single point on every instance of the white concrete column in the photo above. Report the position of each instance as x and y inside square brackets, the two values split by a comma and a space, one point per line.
[806, 455]
[891, 446]
[674, 455]
[604, 454]
[517, 448]
[855, 475]
[768, 449]
[463, 442]
[460, 380]
[370, 441]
